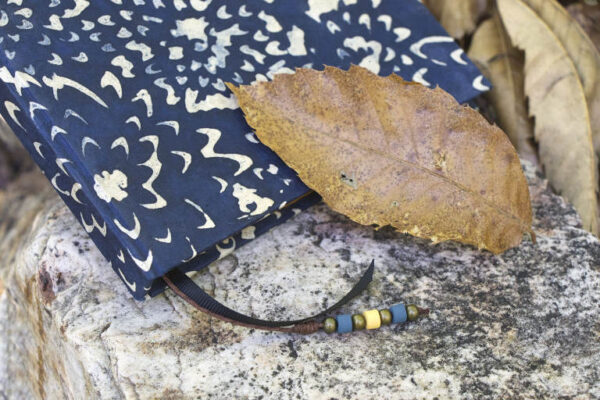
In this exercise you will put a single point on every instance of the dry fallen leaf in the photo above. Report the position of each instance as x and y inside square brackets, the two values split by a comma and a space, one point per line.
[557, 100]
[502, 64]
[385, 151]
[582, 52]
[458, 17]
[588, 16]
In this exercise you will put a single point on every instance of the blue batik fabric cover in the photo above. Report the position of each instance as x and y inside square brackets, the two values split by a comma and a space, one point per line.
[124, 107]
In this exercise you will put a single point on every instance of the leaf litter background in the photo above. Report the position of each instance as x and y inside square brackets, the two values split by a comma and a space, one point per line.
[543, 61]
[542, 57]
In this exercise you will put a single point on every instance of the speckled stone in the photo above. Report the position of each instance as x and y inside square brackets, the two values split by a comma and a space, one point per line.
[522, 325]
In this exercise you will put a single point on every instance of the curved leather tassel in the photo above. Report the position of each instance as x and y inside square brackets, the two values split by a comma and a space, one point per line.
[185, 287]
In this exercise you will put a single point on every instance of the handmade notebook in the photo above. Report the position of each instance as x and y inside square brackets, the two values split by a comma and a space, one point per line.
[123, 105]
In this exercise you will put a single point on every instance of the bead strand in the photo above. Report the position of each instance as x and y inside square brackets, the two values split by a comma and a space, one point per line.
[373, 319]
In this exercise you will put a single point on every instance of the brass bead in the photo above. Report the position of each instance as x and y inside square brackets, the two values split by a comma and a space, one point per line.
[329, 325]
[358, 322]
[412, 312]
[386, 317]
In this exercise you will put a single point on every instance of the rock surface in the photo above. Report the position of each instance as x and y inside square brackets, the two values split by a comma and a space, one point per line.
[525, 324]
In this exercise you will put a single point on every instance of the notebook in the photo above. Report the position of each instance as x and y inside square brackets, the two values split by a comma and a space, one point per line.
[123, 106]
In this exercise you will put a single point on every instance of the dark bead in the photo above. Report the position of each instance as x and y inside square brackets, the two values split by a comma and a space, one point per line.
[329, 325]
[386, 317]
[358, 322]
[412, 312]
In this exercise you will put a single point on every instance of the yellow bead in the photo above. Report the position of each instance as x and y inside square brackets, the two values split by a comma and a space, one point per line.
[372, 318]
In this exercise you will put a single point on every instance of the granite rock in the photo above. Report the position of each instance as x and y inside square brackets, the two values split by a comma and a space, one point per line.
[523, 325]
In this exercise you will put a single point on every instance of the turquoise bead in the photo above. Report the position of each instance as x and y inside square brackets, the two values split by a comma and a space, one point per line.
[398, 313]
[344, 323]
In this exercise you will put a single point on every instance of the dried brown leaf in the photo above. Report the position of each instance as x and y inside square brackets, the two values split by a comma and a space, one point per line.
[588, 16]
[502, 64]
[581, 51]
[557, 100]
[458, 17]
[385, 151]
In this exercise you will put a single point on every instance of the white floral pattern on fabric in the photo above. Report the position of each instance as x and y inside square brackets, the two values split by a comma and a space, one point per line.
[110, 185]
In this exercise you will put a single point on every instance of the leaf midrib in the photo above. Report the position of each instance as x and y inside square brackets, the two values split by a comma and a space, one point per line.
[416, 166]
